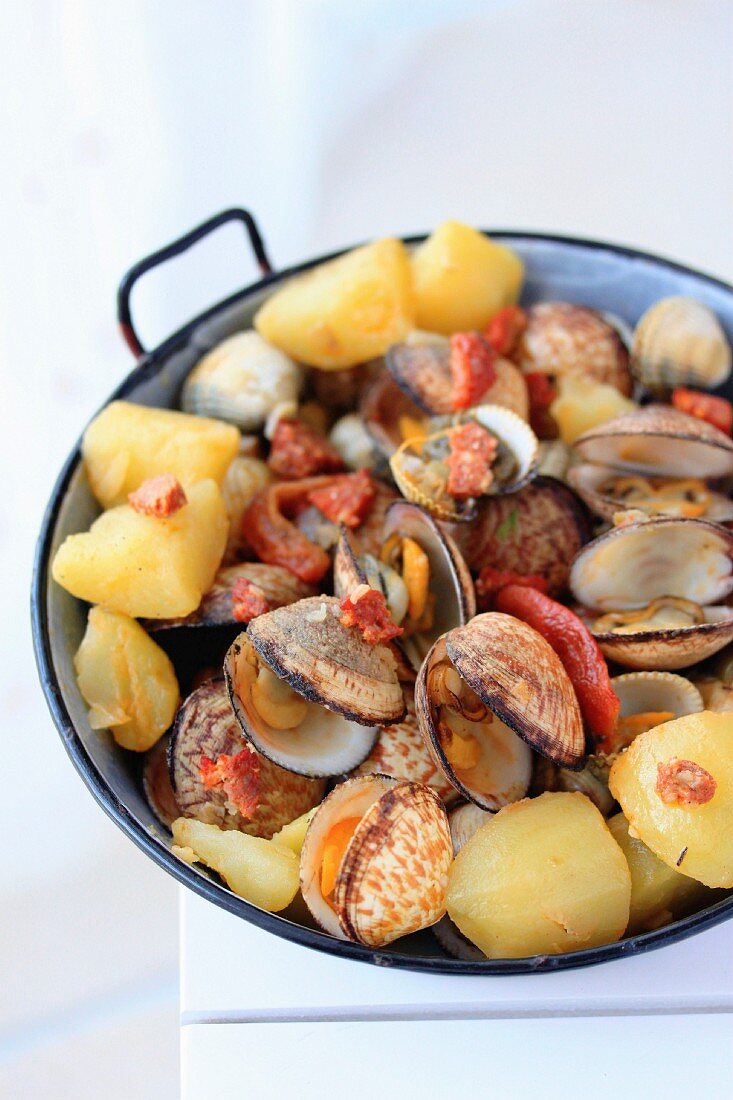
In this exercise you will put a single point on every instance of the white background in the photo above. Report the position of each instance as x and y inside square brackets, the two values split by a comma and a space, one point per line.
[123, 124]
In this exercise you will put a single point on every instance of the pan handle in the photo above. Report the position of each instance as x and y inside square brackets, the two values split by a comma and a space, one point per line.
[182, 244]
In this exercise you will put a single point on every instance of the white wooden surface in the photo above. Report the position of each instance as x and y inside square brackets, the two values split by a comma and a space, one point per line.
[232, 971]
[603, 1059]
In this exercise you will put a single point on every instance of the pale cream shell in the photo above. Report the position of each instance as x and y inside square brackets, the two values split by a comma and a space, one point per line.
[680, 342]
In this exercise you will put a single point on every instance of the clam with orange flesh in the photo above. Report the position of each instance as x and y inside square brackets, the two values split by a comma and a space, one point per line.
[652, 592]
[205, 726]
[487, 694]
[374, 863]
[309, 694]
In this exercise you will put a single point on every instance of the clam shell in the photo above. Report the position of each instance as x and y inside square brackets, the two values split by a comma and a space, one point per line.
[680, 342]
[553, 459]
[242, 380]
[279, 586]
[670, 649]
[157, 783]
[401, 752]
[503, 772]
[464, 821]
[592, 781]
[656, 691]
[540, 530]
[562, 338]
[205, 726]
[454, 943]
[519, 677]
[659, 440]
[394, 873]
[382, 405]
[588, 481]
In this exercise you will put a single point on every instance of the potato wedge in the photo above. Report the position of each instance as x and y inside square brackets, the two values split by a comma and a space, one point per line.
[583, 403]
[127, 680]
[292, 835]
[258, 870]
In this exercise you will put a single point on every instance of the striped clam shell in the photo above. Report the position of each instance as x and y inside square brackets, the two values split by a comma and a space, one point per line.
[680, 342]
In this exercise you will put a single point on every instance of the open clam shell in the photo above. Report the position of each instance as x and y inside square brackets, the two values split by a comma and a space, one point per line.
[680, 342]
[279, 586]
[628, 568]
[563, 338]
[517, 458]
[659, 440]
[641, 692]
[592, 484]
[498, 770]
[205, 726]
[157, 783]
[392, 877]
[520, 678]
[384, 408]
[464, 821]
[539, 530]
[349, 688]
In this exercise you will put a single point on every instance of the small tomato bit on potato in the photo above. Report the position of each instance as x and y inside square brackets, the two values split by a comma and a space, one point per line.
[159, 496]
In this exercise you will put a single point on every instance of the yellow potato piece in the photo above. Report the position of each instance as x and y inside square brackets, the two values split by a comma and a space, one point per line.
[345, 311]
[542, 876]
[696, 839]
[143, 566]
[292, 835]
[461, 279]
[659, 893]
[582, 404]
[127, 680]
[126, 444]
[258, 870]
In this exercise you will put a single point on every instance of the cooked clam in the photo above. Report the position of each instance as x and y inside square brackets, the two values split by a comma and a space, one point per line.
[562, 338]
[309, 693]
[680, 342]
[421, 572]
[421, 467]
[591, 780]
[537, 530]
[606, 491]
[157, 783]
[242, 380]
[374, 864]
[464, 821]
[206, 727]
[648, 699]
[390, 416]
[649, 591]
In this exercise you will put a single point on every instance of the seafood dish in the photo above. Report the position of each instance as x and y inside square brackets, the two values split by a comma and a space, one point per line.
[417, 611]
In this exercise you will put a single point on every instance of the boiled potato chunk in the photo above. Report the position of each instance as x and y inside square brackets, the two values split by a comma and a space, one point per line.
[461, 279]
[543, 876]
[695, 836]
[127, 680]
[582, 404]
[126, 444]
[258, 870]
[659, 893]
[292, 835]
[345, 311]
[144, 566]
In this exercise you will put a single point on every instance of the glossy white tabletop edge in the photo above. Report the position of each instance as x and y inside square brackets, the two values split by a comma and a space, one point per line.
[234, 972]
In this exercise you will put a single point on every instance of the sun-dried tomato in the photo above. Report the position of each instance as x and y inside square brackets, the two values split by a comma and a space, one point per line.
[542, 391]
[491, 580]
[684, 783]
[298, 451]
[159, 496]
[577, 649]
[275, 539]
[238, 776]
[503, 331]
[346, 499]
[705, 406]
[366, 608]
[472, 368]
[472, 450]
[248, 600]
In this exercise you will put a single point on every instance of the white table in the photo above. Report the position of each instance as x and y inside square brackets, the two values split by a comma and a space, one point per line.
[262, 1017]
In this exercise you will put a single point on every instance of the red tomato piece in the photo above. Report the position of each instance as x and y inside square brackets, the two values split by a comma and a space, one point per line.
[366, 608]
[472, 368]
[491, 580]
[345, 499]
[472, 450]
[248, 600]
[297, 451]
[577, 649]
[238, 776]
[504, 331]
[705, 406]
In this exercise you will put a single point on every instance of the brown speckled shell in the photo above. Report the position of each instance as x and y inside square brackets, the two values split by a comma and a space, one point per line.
[205, 726]
[540, 529]
[394, 875]
[157, 783]
[562, 338]
[519, 677]
[666, 650]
